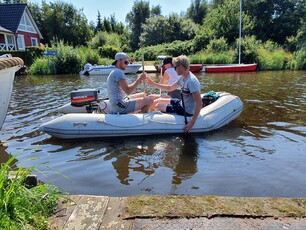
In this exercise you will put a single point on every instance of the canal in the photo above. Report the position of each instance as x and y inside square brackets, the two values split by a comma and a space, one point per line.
[261, 153]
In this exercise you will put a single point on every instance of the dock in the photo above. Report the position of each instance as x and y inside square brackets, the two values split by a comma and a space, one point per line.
[178, 212]
[148, 69]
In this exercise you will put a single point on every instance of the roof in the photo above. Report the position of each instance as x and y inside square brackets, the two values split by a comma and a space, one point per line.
[10, 15]
[5, 30]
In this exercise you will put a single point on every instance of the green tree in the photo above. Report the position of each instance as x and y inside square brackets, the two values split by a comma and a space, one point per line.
[155, 11]
[158, 30]
[135, 18]
[197, 11]
[103, 38]
[61, 21]
[276, 19]
[216, 3]
[99, 26]
[223, 21]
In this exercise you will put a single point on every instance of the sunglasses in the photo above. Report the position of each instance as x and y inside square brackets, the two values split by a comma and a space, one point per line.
[126, 62]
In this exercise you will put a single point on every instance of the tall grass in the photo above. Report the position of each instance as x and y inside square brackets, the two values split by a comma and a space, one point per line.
[274, 60]
[22, 207]
[212, 58]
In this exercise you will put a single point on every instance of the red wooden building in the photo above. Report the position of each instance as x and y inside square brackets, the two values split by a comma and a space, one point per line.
[18, 29]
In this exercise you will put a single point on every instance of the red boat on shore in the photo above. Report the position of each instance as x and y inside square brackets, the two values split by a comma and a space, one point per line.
[230, 68]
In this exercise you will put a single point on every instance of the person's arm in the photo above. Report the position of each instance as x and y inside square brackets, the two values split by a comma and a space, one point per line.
[130, 88]
[198, 100]
[164, 79]
[163, 87]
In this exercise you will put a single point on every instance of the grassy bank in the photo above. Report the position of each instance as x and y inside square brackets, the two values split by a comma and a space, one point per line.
[23, 206]
[210, 206]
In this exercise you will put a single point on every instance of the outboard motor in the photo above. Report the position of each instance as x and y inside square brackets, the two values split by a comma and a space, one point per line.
[86, 69]
[87, 66]
[85, 97]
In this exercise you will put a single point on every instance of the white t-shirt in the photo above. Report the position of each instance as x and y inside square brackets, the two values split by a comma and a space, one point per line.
[173, 76]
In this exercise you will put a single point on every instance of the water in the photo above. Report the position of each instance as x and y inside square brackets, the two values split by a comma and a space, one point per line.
[262, 153]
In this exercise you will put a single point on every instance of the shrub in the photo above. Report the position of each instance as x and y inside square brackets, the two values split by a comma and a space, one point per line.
[43, 66]
[212, 58]
[173, 49]
[103, 38]
[249, 50]
[67, 61]
[217, 45]
[108, 51]
[300, 57]
[32, 53]
[274, 60]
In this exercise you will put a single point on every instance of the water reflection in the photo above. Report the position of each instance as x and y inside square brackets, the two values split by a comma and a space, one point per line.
[186, 165]
[138, 155]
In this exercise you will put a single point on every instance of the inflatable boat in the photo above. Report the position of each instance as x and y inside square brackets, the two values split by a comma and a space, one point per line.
[96, 120]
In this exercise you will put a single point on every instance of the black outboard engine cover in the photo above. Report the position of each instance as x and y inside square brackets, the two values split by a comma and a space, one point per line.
[81, 97]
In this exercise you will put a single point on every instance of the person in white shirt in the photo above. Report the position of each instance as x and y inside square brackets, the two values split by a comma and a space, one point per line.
[170, 76]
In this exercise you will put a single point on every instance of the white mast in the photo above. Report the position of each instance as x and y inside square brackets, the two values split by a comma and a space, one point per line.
[240, 31]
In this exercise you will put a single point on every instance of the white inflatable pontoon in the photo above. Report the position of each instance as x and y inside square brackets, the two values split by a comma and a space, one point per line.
[80, 124]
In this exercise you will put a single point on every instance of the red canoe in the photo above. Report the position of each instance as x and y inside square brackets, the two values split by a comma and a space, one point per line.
[230, 68]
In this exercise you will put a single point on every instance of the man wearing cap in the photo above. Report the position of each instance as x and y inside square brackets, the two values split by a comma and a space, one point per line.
[119, 90]
[170, 76]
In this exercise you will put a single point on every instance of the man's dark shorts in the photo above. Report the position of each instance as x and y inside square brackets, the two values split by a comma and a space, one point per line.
[175, 107]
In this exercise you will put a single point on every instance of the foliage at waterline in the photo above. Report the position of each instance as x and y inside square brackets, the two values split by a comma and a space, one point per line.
[268, 55]
[23, 207]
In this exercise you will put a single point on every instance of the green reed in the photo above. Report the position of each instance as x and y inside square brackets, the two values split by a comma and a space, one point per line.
[22, 206]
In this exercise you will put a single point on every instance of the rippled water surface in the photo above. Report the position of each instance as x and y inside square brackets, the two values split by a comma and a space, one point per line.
[262, 153]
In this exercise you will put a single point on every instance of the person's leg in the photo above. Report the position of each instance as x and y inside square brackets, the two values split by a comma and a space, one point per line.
[137, 95]
[143, 104]
[162, 104]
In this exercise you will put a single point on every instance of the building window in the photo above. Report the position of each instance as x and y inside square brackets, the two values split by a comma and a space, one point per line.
[34, 41]
[10, 39]
[25, 24]
[20, 42]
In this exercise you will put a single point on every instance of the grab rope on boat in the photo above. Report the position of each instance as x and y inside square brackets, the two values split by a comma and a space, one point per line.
[102, 120]
[7, 62]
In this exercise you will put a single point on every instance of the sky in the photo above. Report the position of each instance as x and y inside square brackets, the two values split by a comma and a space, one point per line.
[121, 7]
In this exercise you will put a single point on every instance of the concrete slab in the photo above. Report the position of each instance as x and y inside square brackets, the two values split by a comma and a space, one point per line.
[112, 218]
[101, 212]
[221, 223]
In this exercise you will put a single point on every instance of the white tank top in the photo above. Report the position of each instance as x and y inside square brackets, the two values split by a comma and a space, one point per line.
[173, 76]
